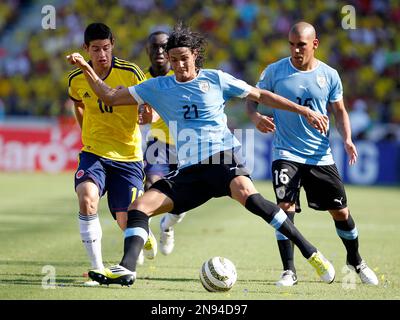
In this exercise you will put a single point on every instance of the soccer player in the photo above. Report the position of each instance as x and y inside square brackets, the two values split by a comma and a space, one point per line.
[192, 102]
[111, 159]
[301, 154]
[160, 156]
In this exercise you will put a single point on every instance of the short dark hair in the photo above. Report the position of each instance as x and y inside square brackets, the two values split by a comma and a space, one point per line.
[156, 33]
[183, 36]
[97, 31]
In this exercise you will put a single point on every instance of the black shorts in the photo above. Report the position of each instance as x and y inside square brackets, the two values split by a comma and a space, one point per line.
[194, 185]
[323, 186]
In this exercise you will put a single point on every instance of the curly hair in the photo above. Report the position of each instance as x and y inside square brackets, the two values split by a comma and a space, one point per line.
[183, 36]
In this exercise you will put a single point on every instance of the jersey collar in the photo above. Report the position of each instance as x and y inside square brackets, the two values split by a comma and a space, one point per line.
[308, 71]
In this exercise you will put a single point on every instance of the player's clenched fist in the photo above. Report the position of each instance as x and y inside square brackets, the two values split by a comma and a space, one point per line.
[76, 59]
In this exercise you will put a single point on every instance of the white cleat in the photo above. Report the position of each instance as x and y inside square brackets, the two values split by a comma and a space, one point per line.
[167, 241]
[288, 279]
[366, 274]
[150, 247]
[324, 268]
[140, 259]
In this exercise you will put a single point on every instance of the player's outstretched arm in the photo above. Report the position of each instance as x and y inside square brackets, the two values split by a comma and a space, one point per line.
[315, 119]
[110, 96]
[263, 123]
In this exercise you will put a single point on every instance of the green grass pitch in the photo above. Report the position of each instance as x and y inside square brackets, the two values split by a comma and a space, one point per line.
[39, 235]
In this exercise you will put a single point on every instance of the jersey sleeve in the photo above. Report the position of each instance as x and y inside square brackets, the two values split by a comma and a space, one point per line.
[72, 92]
[145, 92]
[138, 76]
[336, 93]
[265, 81]
[233, 87]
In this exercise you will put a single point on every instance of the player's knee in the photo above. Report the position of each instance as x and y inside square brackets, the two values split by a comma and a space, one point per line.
[88, 204]
[340, 215]
[241, 189]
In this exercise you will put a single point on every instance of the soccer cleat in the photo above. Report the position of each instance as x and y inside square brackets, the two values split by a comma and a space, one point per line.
[366, 274]
[323, 267]
[167, 241]
[288, 279]
[113, 275]
[140, 259]
[150, 247]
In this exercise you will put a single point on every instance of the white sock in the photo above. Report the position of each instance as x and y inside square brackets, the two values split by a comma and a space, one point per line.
[90, 230]
[171, 219]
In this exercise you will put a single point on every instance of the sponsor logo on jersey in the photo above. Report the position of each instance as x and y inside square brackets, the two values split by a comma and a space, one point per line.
[204, 86]
[79, 174]
[86, 95]
[187, 96]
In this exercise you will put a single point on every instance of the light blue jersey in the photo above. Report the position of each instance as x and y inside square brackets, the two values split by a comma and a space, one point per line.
[295, 140]
[194, 111]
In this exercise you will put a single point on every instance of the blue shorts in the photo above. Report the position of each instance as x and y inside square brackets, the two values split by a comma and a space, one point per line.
[123, 181]
[160, 158]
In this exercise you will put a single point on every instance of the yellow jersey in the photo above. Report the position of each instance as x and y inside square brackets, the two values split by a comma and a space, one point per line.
[107, 131]
[159, 129]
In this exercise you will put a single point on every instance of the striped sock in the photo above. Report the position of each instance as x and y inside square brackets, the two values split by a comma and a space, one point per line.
[286, 248]
[348, 233]
[136, 235]
[277, 218]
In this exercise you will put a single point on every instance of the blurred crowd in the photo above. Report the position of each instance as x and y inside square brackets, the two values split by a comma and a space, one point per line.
[243, 37]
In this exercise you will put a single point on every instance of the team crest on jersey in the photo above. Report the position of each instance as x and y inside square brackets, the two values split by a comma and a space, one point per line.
[204, 86]
[280, 192]
[79, 174]
[321, 80]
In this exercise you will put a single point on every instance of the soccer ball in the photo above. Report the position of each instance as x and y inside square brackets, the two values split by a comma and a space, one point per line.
[218, 274]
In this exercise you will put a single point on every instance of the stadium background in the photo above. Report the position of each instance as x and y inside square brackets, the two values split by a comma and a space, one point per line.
[37, 129]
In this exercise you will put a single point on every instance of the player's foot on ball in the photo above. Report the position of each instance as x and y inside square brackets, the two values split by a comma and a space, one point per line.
[323, 267]
[150, 247]
[113, 275]
[288, 279]
[366, 274]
